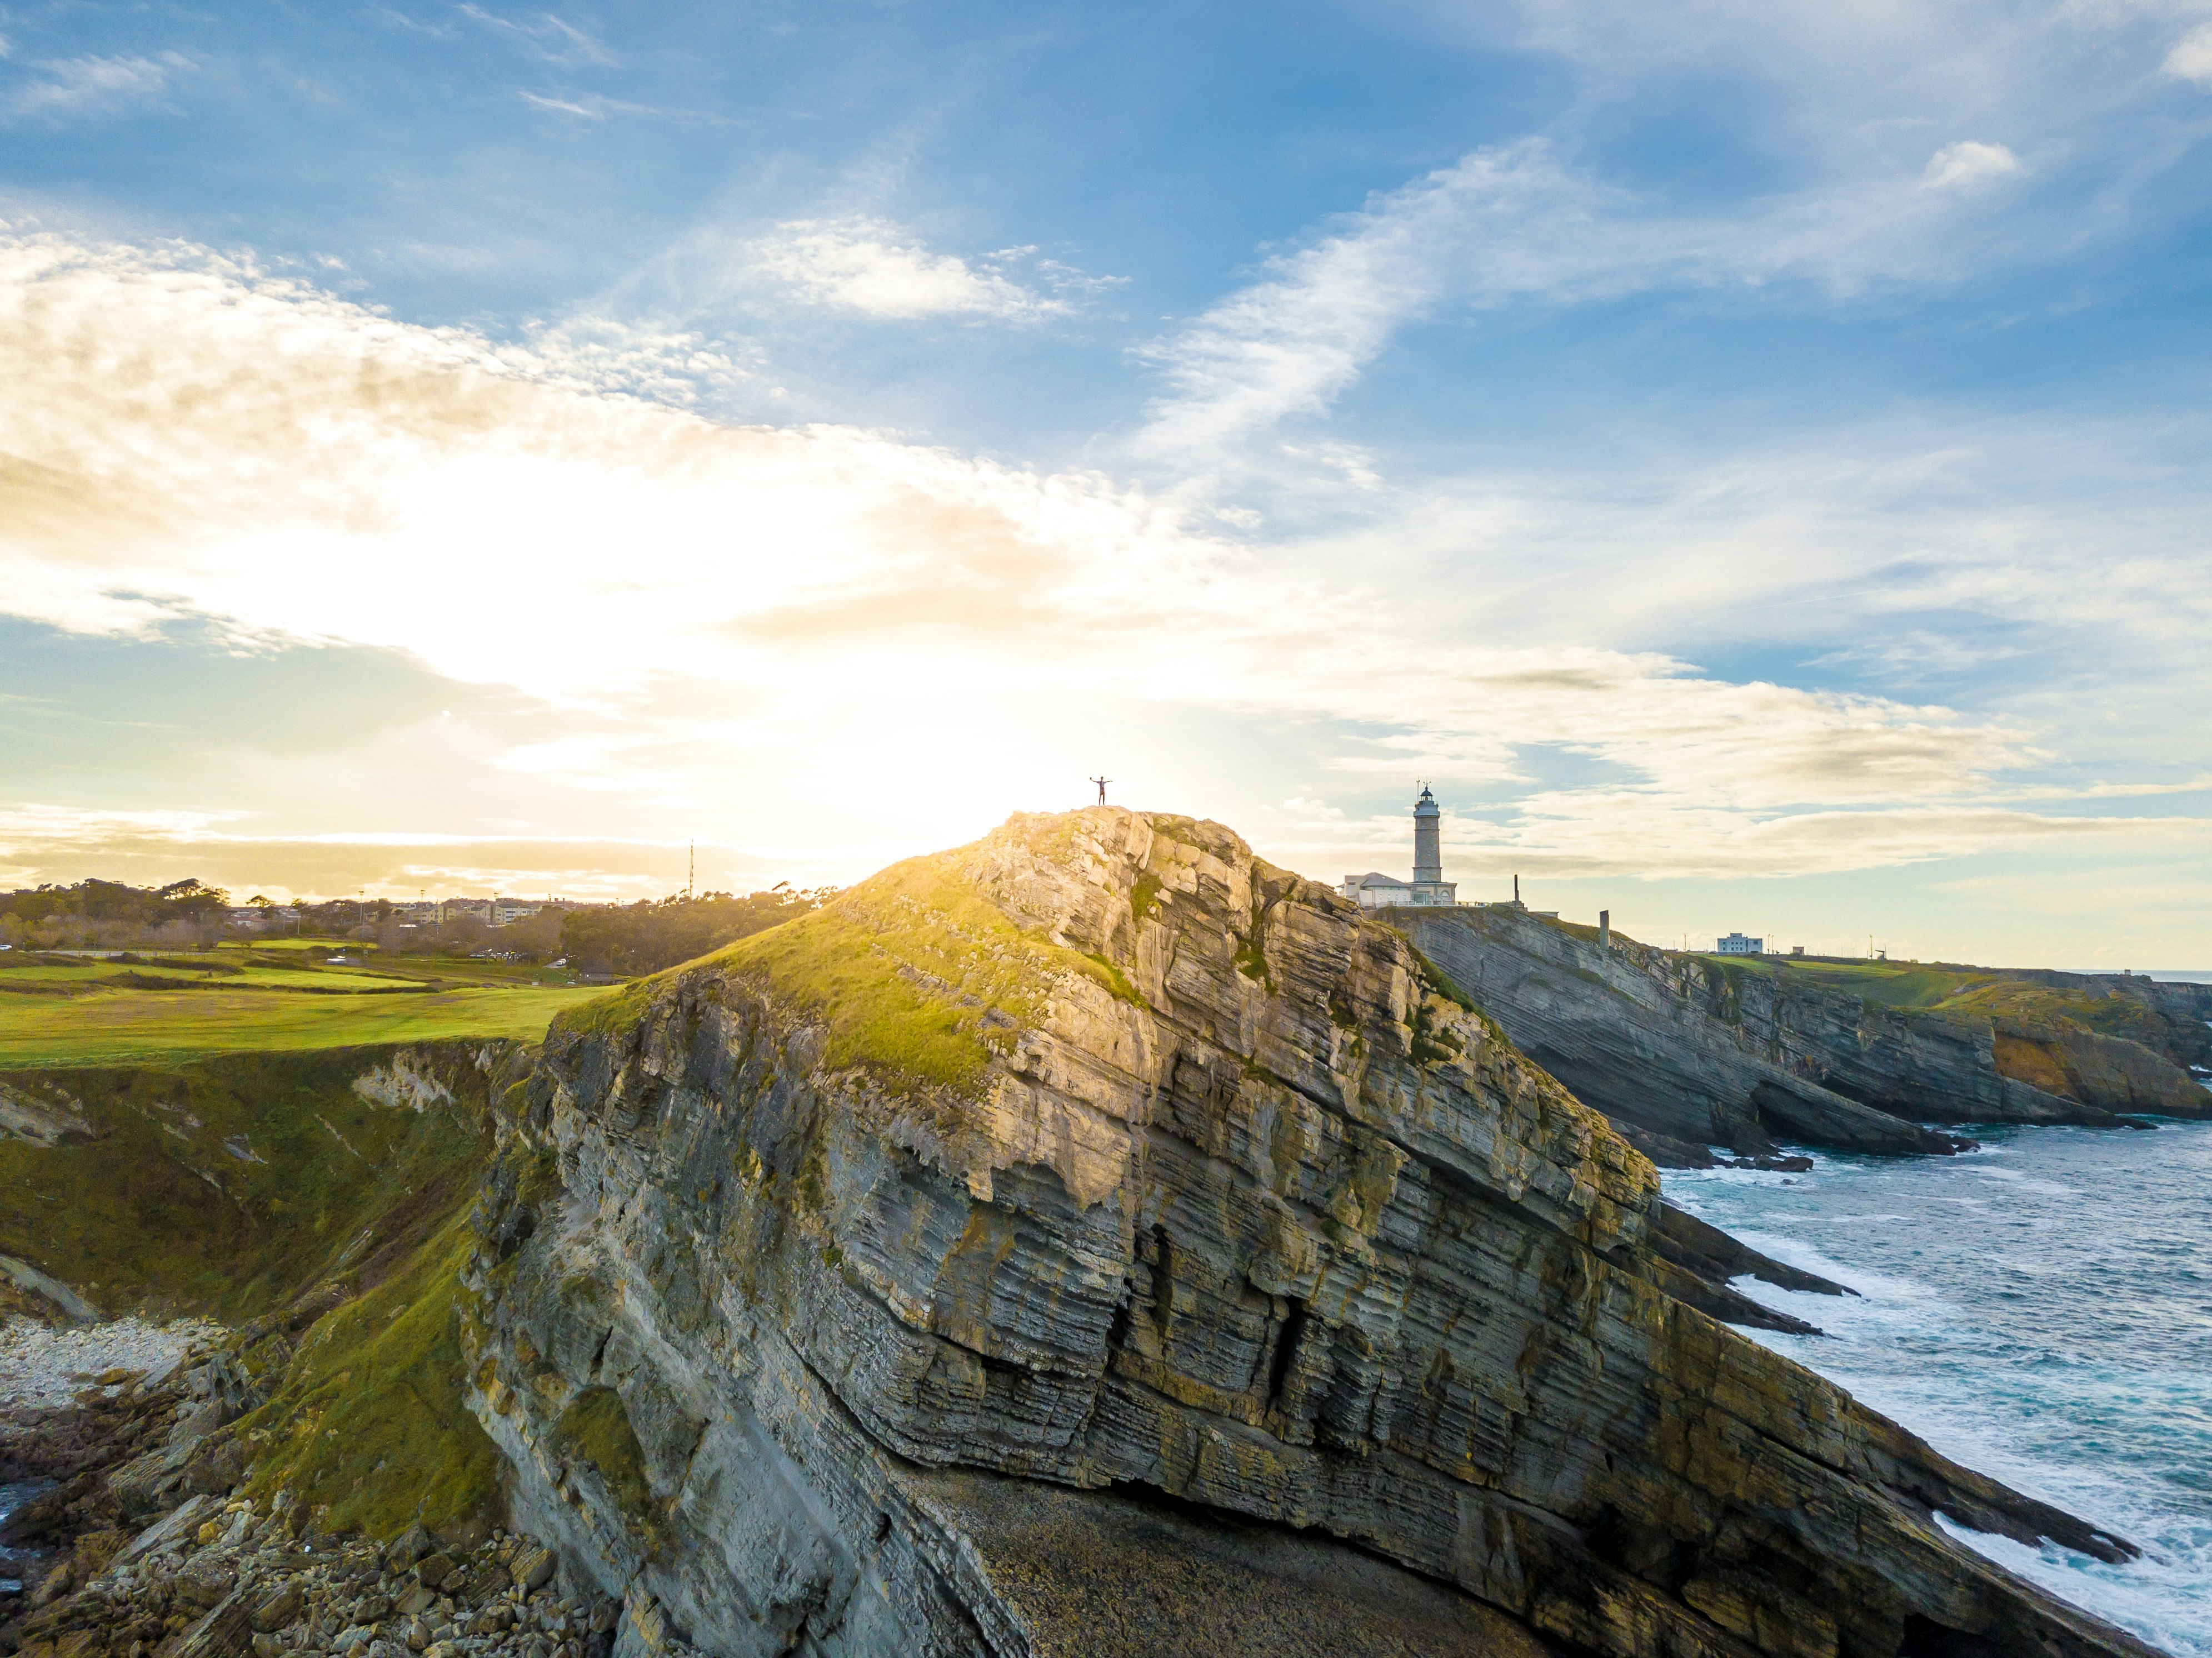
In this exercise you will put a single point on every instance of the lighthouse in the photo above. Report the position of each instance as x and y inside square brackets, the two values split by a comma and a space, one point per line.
[1376, 890]
[1428, 842]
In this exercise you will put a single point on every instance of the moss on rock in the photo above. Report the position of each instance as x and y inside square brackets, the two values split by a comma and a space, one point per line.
[595, 1431]
[370, 1421]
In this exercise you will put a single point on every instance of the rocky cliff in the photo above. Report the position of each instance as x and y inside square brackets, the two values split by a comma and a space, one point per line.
[1094, 1240]
[1691, 1052]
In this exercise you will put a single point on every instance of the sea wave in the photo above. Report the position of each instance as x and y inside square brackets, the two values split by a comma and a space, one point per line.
[2041, 1310]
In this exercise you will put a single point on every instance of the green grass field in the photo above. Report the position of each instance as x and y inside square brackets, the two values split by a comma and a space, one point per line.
[133, 1027]
[1890, 984]
[1973, 993]
[91, 974]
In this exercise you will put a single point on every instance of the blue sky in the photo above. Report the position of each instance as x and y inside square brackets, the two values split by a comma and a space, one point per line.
[1752, 458]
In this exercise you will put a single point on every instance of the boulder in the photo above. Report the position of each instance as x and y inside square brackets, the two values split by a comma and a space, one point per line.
[279, 1609]
[406, 1549]
[532, 1568]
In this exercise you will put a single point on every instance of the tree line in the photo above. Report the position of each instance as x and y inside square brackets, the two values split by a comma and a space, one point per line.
[96, 915]
[623, 939]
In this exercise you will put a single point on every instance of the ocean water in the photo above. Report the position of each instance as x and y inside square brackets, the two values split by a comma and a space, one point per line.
[15, 1563]
[2039, 1309]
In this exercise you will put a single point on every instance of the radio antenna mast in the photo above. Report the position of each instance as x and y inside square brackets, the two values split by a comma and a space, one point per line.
[691, 870]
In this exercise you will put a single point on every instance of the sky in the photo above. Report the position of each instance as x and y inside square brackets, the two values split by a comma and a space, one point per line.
[1753, 460]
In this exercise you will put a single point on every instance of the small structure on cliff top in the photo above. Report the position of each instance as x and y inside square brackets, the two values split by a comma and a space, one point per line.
[1375, 890]
[1737, 943]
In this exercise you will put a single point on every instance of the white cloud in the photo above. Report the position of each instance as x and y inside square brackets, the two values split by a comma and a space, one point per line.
[2192, 56]
[2023, 555]
[871, 266]
[551, 39]
[593, 110]
[585, 106]
[393, 18]
[604, 353]
[92, 87]
[1834, 109]
[1970, 163]
[187, 437]
[1518, 225]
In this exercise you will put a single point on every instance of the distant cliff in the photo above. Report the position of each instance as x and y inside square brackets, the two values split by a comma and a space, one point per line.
[1096, 1241]
[1688, 1051]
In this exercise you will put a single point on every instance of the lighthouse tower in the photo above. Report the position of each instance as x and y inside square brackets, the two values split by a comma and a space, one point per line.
[1428, 841]
[1376, 890]
[1430, 886]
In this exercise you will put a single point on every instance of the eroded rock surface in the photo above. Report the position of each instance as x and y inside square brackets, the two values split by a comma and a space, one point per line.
[140, 1546]
[820, 1281]
[1685, 1054]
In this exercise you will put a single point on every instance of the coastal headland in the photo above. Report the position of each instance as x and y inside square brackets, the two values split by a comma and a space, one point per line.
[1090, 1240]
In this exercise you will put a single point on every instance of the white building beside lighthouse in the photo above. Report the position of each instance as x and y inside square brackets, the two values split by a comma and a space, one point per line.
[1375, 890]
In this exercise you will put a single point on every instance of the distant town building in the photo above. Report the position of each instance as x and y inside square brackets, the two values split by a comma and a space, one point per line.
[1737, 943]
[263, 918]
[504, 910]
[1375, 890]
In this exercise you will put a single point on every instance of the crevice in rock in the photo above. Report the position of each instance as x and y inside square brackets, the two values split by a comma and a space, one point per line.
[1286, 1353]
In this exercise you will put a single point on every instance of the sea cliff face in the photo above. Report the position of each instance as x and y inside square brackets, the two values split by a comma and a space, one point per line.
[1697, 1053]
[1099, 1163]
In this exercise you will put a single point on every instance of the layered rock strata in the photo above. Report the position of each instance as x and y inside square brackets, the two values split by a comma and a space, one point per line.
[1685, 1054]
[817, 1281]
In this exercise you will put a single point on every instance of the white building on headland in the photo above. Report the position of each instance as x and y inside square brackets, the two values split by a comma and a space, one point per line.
[1737, 943]
[1373, 891]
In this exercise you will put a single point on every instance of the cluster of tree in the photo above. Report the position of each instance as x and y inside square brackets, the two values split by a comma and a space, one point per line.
[653, 934]
[110, 915]
[630, 938]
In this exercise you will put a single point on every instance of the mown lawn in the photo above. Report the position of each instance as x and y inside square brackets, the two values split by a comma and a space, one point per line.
[127, 1027]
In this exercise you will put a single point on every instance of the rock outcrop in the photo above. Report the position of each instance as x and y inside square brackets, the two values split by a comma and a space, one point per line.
[1684, 1052]
[870, 1287]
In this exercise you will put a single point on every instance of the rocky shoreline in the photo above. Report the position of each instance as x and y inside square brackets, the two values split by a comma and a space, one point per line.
[140, 1544]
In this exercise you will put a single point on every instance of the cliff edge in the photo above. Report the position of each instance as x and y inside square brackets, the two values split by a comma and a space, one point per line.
[1685, 1052]
[1094, 1240]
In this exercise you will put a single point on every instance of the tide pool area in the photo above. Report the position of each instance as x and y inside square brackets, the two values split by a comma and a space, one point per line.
[2039, 1309]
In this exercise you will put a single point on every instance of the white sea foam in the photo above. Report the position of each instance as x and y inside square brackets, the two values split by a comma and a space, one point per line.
[2040, 1310]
